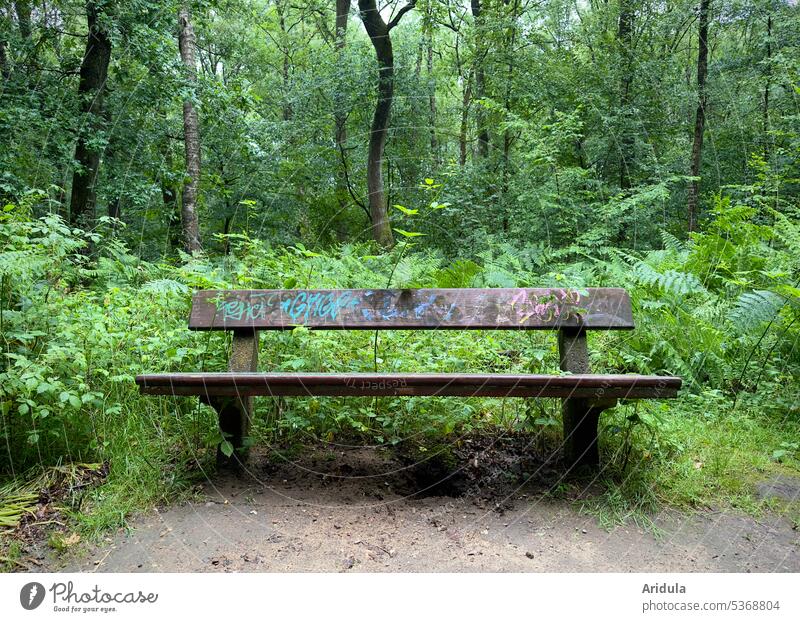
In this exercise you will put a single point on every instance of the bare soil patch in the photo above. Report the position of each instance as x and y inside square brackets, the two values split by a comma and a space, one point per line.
[337, 509]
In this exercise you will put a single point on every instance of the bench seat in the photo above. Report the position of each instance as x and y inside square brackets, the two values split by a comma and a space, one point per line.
[592, 386]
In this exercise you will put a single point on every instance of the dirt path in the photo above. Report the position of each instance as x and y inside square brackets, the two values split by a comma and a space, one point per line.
[293, 520]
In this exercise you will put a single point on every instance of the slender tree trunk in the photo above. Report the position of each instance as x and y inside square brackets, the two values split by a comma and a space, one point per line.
[5, 70]
[339, 112]
[767, 86]
[288, 113]
[466, 95]
[700, 115]
[378, 32]
[432, 96]
[510, 44]
[191, 139]
[23, 10]
[480, 78]
[626, 142]
[91, 89]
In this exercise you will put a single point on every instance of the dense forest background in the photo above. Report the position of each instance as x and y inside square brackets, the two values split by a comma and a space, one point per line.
[546, 123]
[152, 148]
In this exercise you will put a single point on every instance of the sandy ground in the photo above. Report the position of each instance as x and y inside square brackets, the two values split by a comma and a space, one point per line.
[294, 519]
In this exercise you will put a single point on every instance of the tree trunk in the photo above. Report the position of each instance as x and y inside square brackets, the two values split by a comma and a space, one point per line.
[767, 86]
[466, 95]
[23, 10]
[700, 115]
[626, 142]
[339, 113]
[191, 139]
[5, 71]
[480, 79]
[91, 88]
[339, 116]
[510, 44]
[287, 110]
[432, 97]
[378, 32]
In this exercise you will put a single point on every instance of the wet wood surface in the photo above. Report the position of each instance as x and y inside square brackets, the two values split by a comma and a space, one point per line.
[376, 384]
[371, 309]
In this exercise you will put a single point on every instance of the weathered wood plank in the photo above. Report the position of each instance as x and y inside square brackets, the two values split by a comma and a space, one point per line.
[370, 309]
[590, 386]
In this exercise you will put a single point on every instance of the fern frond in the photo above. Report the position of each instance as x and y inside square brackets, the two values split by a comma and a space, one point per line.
[462, 273]
[165, 286]
[672, 243]
[670, 281]
[754, 308]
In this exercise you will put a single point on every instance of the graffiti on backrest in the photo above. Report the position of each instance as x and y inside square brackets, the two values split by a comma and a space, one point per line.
[558, 303]
[300, 306]
[316, 304]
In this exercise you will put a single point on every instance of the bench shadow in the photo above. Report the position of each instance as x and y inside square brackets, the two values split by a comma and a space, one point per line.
[492, 470]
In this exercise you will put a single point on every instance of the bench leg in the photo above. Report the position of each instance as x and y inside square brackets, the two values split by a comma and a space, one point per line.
[234, 423]
[236, 413]
[580, 433]
[581, 416]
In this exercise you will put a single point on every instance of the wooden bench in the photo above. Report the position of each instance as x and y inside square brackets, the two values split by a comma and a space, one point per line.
[571, 312]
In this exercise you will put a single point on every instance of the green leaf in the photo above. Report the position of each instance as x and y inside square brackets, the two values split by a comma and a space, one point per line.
[406, 211]
[408, 234]
[779, 454]
[226, 448]
[75, 401]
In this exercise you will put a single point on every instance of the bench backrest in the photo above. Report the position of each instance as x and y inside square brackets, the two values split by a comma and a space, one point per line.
[372, 309]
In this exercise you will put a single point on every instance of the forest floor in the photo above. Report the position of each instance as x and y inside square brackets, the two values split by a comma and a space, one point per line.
[361, 516]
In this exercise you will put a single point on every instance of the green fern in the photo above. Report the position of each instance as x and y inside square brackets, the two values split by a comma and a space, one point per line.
[165, 286]
[462, 273]
[754, 308]
[670, 281]
[672, 243]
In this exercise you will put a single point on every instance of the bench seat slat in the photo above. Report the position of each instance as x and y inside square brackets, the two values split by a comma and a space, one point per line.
[604, 308]
[377, 384]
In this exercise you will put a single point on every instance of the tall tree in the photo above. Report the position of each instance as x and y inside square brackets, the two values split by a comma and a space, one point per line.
[700, 114]
[5, 70]
[626, 140]
[480, 77]
[339, 112]
[191, 138]
[767, 84]
[429, 30]
[23, 9]
[91, 89]
[512, 16]
[379, 33]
